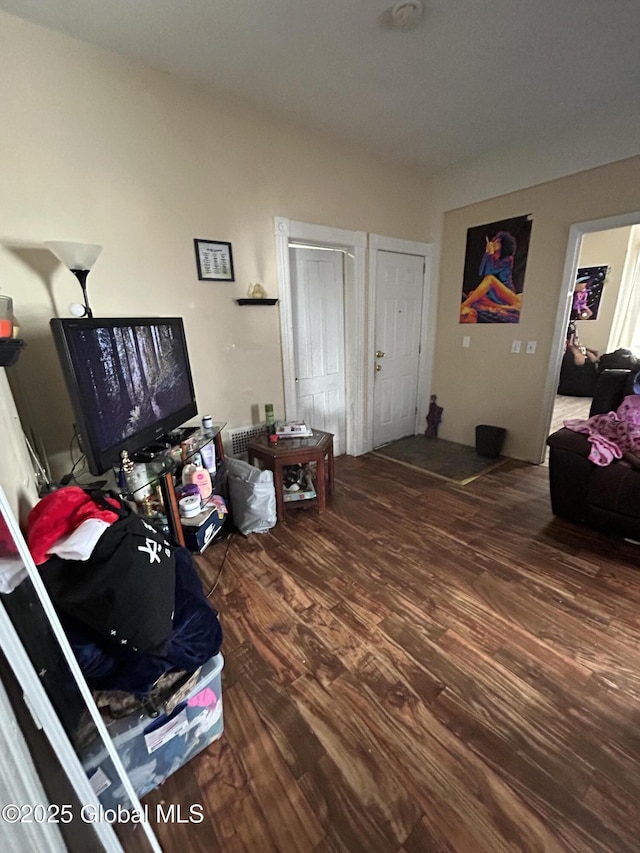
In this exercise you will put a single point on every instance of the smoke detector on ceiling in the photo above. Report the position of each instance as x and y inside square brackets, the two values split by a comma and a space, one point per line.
[405, 15]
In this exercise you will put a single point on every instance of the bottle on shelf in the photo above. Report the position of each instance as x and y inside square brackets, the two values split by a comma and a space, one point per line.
[202, 479]
[269, 418]
[208, 450]
[133, 478]
[208, 454]
[187, 470]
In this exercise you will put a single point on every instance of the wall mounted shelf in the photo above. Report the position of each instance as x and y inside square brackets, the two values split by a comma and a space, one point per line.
[10, 350]
[256, 301]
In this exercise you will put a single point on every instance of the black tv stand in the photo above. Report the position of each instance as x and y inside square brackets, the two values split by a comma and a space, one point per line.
[162, 467]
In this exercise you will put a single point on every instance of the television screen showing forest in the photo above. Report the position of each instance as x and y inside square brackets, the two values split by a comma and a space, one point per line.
[130, 377]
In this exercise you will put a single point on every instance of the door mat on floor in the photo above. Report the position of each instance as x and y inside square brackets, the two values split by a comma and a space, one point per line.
[440, 458]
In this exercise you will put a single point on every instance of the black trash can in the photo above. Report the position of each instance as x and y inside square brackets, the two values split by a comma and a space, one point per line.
[489, 440]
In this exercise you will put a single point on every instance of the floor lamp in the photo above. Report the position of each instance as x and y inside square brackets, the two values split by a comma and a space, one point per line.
[79, 258]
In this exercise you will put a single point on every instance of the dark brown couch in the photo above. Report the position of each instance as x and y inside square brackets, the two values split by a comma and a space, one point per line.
[608, 498]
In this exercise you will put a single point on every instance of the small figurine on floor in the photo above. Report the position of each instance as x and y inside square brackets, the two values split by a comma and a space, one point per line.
[434, 417]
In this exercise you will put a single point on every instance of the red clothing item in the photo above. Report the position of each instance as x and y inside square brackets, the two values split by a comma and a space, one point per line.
[8, 547]
[58, 514]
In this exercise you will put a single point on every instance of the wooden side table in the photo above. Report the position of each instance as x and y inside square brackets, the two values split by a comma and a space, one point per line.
[275, 456]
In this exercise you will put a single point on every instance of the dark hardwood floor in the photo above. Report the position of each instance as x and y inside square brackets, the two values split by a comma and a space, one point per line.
[568, 407]
[424, 667]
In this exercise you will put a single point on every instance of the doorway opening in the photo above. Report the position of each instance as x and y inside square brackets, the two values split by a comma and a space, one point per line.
[318, 277]
[613, 242]
[359, 305]
[402, 333]
[299, 249]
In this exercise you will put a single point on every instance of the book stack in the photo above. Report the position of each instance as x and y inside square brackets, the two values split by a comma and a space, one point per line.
[293, 429]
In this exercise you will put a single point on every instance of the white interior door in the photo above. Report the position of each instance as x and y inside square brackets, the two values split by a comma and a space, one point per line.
[399, 286]
[317, 297]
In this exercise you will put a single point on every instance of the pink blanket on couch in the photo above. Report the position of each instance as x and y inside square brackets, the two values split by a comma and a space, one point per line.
[612, 434]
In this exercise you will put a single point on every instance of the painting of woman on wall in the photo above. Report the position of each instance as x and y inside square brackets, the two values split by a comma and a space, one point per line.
[495, 262]
[587, 292]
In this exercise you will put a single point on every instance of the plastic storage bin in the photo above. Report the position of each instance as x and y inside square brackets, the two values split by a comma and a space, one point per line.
[151, 749]
[489, 440]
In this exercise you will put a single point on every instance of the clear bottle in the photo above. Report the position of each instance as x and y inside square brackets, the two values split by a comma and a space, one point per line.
[134, 475]
[126, 467]
[187, 471]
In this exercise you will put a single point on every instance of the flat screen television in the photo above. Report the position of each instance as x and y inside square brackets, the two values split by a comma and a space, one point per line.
[129, 381]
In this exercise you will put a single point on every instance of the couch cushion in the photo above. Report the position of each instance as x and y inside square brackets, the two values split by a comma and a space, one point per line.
[615, 488]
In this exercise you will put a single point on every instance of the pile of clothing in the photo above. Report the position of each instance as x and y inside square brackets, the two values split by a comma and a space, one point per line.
[130, 602]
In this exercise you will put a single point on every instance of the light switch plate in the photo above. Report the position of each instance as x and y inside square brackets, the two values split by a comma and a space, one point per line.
[466, 341]
[515, 346]
[531, 347]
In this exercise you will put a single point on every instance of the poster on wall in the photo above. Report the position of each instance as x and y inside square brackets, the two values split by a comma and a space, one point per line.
[587, 292]
[494, 267]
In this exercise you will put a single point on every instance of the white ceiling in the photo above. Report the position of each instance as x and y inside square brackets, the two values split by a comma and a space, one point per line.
[472, 77]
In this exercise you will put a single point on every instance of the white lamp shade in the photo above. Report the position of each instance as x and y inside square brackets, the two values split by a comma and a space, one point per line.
[75, 256]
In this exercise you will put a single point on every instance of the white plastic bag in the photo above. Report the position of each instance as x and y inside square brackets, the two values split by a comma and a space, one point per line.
[253, 497]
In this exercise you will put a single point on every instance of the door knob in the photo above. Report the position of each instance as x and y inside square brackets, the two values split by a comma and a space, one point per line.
[379, 354]
[378, 368]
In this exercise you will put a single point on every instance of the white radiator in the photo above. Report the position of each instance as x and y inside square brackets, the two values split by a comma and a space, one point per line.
[236, 440]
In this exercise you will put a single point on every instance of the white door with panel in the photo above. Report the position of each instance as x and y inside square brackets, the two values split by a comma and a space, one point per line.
[399, 288]
[317, 299]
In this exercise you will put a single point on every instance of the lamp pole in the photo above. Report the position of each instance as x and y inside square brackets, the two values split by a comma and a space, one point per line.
[81, 275]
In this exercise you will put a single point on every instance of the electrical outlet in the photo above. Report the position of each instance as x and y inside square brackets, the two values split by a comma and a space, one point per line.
[515, 346]
[466, 341]
[531, 347]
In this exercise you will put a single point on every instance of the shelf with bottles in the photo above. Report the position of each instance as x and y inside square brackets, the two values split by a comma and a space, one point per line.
[201, 486]
[169, 454]
[152, 478]
[197, 451]
[189, 442]
[143, 483]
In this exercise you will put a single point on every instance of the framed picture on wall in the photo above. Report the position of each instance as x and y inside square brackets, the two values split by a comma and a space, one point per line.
[494, 267]
[215, 260]
[587, 292]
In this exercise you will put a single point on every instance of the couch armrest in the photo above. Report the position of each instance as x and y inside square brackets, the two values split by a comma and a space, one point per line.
[570, 442]
[569, 473]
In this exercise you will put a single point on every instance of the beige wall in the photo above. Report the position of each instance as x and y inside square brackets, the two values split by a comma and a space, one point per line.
[16, 474]
[486, 383]
[599, 249]
[96, 149]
